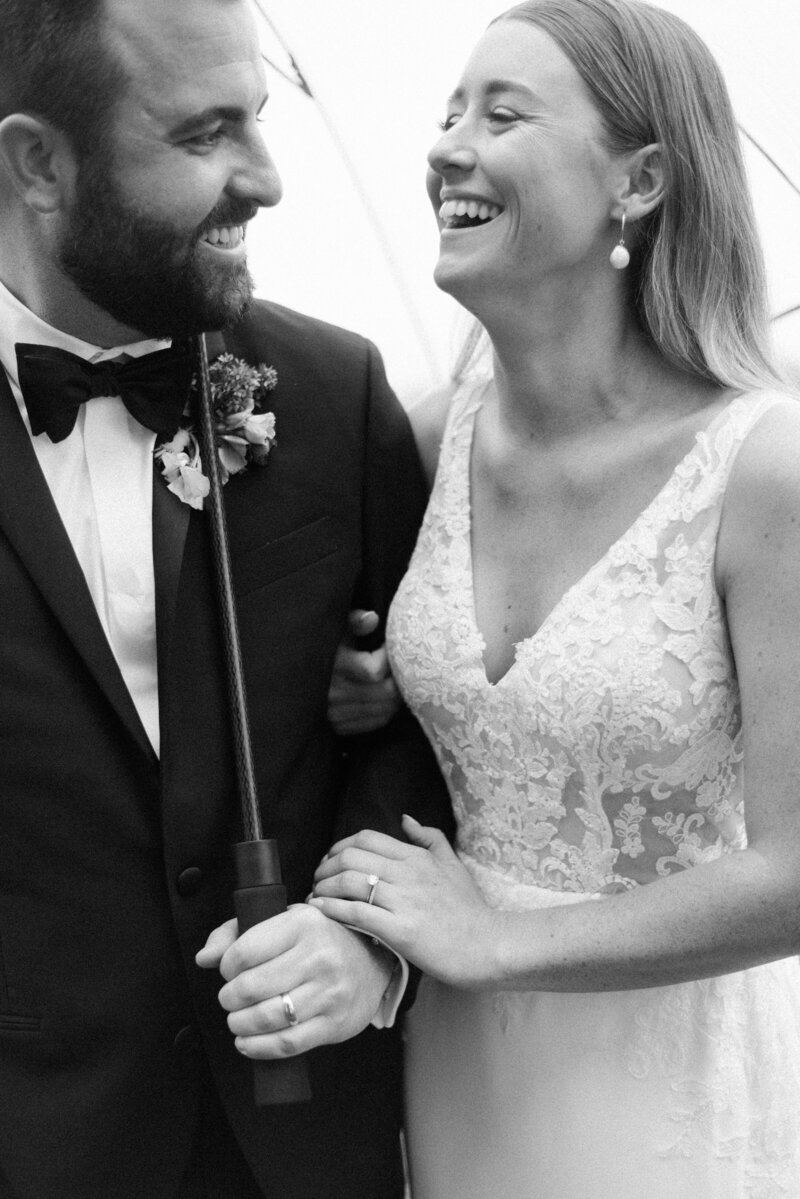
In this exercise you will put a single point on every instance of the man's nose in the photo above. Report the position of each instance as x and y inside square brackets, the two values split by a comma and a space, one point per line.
[256, 177]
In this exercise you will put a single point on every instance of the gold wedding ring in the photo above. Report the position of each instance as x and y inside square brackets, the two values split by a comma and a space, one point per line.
[289, 1009]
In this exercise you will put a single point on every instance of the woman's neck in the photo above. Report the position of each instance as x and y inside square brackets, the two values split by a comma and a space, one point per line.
[563, 367]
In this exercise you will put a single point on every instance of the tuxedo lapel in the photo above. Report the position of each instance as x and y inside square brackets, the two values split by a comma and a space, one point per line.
[170, 526]
[171, 523]
[31, 522]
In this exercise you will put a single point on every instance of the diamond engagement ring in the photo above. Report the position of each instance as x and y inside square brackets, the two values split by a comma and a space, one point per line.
[372, 882]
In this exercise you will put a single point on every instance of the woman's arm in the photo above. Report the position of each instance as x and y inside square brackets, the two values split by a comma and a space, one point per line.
[738, 911]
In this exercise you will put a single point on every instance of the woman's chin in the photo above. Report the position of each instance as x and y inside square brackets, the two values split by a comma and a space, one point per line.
[457, 279]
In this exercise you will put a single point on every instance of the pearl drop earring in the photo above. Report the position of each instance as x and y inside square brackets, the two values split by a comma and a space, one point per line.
[619, 257]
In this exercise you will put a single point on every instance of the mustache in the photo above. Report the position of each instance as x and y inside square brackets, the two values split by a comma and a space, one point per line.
[229, 212]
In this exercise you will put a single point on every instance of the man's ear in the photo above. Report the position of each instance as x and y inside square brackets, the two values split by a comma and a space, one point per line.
[642, 189]
[38, 160]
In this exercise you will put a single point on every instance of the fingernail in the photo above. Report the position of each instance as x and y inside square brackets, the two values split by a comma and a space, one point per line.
[411, 818]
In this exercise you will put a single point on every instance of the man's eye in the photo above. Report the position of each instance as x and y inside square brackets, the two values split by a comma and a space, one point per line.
[208, 139]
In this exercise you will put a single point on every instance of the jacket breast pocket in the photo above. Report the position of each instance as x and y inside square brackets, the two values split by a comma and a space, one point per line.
[16, 1022]
[286, 555]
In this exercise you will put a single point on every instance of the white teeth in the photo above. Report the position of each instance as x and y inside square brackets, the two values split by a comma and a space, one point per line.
[227, 235]
[472, 208]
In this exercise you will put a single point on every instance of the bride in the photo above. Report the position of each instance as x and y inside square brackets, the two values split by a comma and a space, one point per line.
[599, 633]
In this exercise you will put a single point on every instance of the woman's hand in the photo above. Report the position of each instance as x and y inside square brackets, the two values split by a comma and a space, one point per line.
[363, 696]
[424, 905]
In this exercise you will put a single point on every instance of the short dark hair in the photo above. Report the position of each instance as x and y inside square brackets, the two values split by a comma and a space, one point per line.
[56, 63]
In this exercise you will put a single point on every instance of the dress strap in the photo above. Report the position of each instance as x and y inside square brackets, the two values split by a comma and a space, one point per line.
[717, 447]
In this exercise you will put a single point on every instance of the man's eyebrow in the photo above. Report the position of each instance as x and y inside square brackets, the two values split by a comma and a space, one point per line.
[212, 115]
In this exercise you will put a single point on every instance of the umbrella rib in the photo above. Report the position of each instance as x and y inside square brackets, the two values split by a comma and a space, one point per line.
[770, 159]
[299, 80]
[377, 225]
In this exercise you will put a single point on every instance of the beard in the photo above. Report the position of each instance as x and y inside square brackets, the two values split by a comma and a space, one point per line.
[144, 272]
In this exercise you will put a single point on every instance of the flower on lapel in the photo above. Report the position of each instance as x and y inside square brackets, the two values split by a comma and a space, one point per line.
[243, 436]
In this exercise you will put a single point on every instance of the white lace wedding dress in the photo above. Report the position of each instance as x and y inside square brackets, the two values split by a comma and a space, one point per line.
[607, 757]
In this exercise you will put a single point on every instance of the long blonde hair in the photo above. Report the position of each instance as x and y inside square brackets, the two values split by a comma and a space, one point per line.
[697, 278]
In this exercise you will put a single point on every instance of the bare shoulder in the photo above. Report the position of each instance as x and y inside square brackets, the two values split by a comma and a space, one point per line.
[761, 514]
[428, 419]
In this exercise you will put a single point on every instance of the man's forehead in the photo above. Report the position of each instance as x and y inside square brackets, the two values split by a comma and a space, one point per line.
[161, 35]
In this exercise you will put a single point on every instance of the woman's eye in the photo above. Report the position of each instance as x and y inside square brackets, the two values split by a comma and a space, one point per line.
[448, 122]
[503, 116]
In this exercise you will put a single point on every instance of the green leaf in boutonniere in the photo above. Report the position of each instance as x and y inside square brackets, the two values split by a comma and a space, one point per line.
[244, 436]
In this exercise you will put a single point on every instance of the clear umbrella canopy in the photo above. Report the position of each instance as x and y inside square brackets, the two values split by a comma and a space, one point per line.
[354, 239]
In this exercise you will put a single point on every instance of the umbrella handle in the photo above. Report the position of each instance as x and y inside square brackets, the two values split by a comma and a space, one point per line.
[260, 893]
[259, 896]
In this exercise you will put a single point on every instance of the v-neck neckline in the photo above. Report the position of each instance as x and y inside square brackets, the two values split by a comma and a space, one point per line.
[465, 467]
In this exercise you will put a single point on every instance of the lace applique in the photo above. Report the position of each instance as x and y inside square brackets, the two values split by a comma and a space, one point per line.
[608, 756]
[610, 753]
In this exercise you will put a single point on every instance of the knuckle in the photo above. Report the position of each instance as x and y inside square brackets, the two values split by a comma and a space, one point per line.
[353, 882]
[231, 964]
[286, 1044]
[248, 991]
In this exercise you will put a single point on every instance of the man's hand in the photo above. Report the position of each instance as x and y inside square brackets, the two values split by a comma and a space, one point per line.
[334, 978]
[363, 696]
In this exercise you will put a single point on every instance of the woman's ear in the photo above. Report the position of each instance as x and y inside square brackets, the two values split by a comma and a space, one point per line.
[39, 161]
[643, 188]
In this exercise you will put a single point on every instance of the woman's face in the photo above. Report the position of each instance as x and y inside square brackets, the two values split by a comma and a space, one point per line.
[520, 177]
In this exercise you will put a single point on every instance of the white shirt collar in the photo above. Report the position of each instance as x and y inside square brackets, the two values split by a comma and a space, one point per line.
[19, 324]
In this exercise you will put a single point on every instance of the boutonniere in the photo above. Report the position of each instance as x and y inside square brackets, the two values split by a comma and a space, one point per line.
[243, 435]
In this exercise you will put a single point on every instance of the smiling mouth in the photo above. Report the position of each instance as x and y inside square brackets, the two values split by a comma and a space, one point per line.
[224, 237]
[467, 214]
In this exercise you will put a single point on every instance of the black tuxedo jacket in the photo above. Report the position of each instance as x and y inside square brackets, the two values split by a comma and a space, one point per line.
[114, 867]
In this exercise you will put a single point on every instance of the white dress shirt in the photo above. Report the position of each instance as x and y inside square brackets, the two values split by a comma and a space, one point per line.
[101, 479]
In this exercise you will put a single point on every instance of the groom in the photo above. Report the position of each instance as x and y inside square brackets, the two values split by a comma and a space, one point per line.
[131, 162]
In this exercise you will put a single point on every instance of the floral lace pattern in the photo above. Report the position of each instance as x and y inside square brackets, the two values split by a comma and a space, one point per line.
[610, 753]
[608, 756]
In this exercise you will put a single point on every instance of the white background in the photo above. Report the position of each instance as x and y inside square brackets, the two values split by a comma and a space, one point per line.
[354, 239]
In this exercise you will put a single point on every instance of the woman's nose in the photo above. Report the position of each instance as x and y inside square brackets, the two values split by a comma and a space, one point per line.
[451, 152]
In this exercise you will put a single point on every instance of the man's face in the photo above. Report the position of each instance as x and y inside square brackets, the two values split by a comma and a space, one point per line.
[155, 232]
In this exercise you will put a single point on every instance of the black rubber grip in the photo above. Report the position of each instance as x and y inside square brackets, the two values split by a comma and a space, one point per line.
[275, 1081]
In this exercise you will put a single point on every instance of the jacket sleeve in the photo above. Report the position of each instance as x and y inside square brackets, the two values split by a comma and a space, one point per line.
[394, 770]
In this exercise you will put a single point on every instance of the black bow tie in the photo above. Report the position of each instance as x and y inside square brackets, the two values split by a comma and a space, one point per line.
[154, 388]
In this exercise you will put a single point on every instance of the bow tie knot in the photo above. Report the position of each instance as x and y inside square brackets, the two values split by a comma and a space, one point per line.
[104, 383]
[154, 388]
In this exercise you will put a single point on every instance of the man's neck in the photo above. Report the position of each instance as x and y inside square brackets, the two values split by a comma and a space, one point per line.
[56, 300]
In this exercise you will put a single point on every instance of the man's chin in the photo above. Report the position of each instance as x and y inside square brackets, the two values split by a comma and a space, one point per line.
[217, 303]
[190, 312]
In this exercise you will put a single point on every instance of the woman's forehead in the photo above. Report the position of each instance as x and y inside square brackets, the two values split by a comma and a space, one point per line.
[514, 54]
